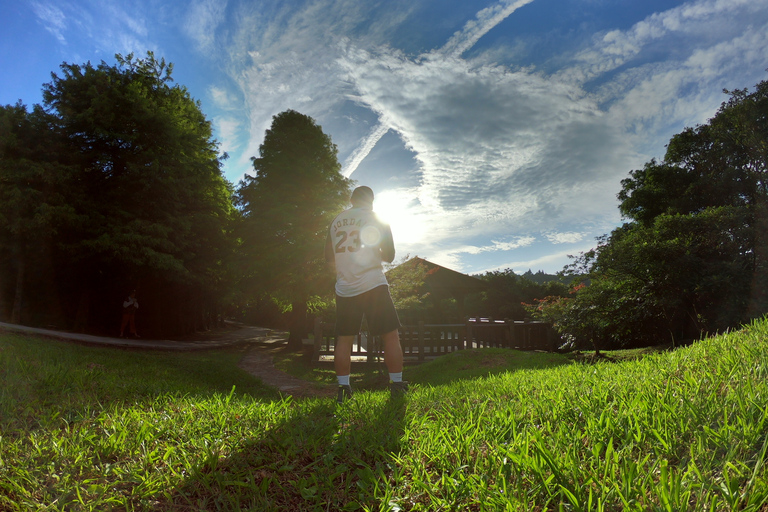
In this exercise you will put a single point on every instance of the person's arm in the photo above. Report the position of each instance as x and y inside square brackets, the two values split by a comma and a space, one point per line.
[387, 245]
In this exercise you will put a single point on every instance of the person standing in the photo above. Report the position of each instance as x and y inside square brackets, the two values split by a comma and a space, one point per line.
[357, 243]
[130, 305]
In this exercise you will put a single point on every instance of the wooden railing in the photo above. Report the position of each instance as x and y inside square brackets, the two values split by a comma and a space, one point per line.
[426, 341]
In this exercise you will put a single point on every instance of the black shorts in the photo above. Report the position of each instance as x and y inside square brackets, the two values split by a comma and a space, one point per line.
[377, 307]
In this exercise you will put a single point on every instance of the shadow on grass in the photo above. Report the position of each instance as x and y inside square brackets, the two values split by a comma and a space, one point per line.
[455, 366]
[323, 457]
[481, 363]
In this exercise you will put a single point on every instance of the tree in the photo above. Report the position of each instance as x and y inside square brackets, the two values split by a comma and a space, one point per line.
[692, 258]
[146, 202]
[286, 208]
[32, 205]
[406, 279]
[508, 292]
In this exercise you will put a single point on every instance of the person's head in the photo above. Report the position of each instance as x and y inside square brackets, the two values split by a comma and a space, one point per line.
[362, 197]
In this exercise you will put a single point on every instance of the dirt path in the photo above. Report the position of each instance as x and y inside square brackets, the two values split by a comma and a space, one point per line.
[258, 361]
[260, 346]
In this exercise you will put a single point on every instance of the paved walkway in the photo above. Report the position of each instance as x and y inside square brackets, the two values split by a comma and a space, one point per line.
[217, 339]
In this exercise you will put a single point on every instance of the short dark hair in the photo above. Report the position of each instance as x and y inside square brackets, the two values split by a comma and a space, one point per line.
[362, 195]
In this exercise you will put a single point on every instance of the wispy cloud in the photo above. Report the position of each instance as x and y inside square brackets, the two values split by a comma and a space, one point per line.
[202, 20]
[362, 150]
[52, 18]
[459, 43]
[516, 150]
[285, 58]
[105, 28]
[485, 20]
[509, 157]
[552, 260]
[494, 144]
[701, 23]
[565, 238]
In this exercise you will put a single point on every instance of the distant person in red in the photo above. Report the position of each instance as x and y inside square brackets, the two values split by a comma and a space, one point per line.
[130, 305]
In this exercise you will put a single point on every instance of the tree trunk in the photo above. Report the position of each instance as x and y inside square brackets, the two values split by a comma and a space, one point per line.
[758, 300]
[18, 299]
[298, 326]
[3, 303]
[83, 311]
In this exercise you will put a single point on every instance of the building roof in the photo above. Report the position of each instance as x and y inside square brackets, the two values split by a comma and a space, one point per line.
[443, 281]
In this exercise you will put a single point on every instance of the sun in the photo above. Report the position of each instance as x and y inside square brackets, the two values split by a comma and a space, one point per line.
[399, 209]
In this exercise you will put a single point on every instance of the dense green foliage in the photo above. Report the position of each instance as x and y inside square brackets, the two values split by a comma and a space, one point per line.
[406, 279]
[98, 429]
[287, 207]
[33, 202]
[113, 184]
[504, 296]
[691, 258]
[508, 292]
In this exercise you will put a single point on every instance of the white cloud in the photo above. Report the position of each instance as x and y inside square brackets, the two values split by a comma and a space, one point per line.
[52, 18]
[134, 21]
[486, 19]
[362, 151]
[565, 238]
[503, 153]
[552, 261]
[495, 145]
[224, 99]
[701, 21]
[97, 30]
[495, 246]
[202, 20]
[229, 133]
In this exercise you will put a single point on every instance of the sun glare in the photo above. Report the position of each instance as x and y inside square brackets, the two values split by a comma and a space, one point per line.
[396, 208]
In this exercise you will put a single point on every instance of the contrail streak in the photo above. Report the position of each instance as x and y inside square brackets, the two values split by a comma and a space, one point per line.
[473, 30]
[359, 154]
[459, 43]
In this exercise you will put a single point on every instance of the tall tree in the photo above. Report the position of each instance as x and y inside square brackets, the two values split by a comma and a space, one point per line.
[692, 258]
[152, 204]
[287, 207]
[32, 202]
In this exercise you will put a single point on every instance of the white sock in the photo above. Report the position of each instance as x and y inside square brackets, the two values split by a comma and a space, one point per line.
[343, 380]
[396, 377]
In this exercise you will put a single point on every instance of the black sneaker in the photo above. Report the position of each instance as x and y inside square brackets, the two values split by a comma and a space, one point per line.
[398, 389]
[345, 393]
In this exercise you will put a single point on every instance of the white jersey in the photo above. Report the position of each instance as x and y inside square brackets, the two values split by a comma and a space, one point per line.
[358, 242]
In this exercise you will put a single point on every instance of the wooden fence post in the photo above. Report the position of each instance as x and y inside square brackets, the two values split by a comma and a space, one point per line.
[421, 340]
[552, 338]
[468, 341]
[507, 333]
[318, 339]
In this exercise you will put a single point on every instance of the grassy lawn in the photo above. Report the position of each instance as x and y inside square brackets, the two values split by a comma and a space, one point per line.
[469, 364]
[85, 428]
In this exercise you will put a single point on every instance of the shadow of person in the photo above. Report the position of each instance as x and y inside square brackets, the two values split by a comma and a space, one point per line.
[321, 456]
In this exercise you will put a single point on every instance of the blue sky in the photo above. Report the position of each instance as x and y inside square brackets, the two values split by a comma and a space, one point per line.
[494, 133]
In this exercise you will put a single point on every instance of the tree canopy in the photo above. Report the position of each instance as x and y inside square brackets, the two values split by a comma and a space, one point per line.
[691, 258]
[287, 206]
[140, 200]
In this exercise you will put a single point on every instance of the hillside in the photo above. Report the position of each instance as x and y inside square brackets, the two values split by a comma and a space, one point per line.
[92, 428]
